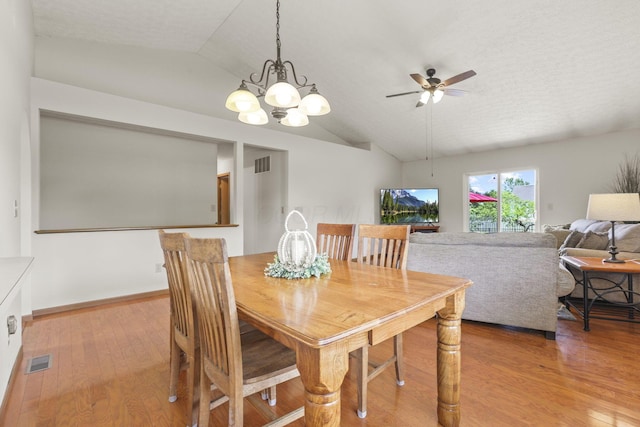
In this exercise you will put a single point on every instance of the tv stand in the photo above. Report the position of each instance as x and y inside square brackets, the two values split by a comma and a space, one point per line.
[425, 228]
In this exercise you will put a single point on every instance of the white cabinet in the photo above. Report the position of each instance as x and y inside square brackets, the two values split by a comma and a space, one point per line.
[12, 274]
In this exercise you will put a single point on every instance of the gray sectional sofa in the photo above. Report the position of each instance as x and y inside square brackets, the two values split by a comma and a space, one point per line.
[517, 277]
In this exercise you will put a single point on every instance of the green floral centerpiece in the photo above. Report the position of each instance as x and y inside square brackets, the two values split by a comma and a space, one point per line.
[317, 268]
[297, 257]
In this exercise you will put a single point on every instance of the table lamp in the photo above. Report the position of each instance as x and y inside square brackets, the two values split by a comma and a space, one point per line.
[614, 207]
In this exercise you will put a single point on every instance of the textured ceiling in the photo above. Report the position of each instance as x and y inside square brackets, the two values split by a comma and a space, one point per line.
[546, 70]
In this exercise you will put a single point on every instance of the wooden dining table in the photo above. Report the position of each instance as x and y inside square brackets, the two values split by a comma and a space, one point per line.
[323, 319]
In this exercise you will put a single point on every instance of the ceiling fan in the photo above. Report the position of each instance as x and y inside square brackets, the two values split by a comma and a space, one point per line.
[433, 87]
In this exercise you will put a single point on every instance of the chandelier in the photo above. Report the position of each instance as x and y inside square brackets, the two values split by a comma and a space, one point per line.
[288, 107]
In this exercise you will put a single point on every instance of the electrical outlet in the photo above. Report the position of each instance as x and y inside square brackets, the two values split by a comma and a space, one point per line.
[159, 268]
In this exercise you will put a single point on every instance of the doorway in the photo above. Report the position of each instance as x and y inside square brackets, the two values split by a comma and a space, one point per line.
[502, 201]
[224, 199]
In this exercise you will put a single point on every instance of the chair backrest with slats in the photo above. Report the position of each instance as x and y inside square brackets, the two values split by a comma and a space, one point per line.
[217, 316]
[336, 240]
[175, 264]
[383, 245]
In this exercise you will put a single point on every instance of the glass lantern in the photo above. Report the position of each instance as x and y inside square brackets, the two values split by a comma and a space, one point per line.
[297, 248]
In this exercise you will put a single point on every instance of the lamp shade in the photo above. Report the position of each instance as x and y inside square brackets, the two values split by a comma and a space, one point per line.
[283, 95]
[424, 98]
[295, 118]
[314, 104]
[614, 207]
[242, 100]
[254, 117]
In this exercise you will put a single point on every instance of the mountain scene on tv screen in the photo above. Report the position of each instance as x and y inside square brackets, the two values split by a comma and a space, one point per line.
[409, 206]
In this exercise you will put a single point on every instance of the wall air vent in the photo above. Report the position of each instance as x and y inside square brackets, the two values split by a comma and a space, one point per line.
[262, 164]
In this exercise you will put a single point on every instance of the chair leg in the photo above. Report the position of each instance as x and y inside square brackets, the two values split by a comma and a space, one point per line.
[362, 360]
[236, 409]
[272, 398]
[174, 370]
[205, 397]
[397, 345]
[193, 386]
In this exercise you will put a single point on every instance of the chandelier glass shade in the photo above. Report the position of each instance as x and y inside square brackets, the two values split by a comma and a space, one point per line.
[289, 108]
[295, 118]
[253, 117]
[242, 100]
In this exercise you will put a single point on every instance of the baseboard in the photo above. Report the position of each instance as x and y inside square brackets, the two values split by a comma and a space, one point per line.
[96, 303]
[12, 378]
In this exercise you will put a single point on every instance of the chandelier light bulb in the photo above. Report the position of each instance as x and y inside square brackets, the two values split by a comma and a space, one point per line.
[295, 118]
[282, 95]
[424, 98]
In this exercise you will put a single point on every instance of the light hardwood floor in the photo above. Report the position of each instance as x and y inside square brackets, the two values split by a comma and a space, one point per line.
[111, 368]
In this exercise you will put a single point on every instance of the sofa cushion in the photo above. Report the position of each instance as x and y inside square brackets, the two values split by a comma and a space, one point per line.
[627, 237]
[584, 225]
[594, 240]
[599, 226]
[581, 225]
[560, 235]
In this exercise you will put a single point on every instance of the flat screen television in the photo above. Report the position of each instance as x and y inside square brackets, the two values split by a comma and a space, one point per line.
[409, 206]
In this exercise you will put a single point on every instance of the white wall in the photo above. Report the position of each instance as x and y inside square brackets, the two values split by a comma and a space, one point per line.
[568, 171]
[95, 175]
[330, 182]
[180, 80]
[265, 200]
[16, 62]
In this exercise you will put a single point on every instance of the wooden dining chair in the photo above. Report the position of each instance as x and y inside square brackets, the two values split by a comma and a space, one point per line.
[384, 246]
[336, 240]
[183, 332]
[238, 365]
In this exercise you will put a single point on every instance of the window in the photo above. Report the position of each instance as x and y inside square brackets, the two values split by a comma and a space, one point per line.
[502, 201]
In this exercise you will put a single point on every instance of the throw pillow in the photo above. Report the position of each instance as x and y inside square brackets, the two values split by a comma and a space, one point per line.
[593, 240]
[627, 237]
[572, 239]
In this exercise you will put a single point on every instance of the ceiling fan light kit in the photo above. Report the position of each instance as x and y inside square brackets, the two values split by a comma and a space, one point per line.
[434, 88]
[288, 106]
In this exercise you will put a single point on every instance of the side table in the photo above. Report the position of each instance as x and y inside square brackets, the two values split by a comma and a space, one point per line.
[589, 266]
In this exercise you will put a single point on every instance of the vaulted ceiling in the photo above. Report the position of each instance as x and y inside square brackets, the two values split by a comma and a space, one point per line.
[546, 70]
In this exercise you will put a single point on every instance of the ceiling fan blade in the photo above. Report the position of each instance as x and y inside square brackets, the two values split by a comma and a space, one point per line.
[404, 93]
[455, 92]
[421, 80]
[419, 104]
[460, 77]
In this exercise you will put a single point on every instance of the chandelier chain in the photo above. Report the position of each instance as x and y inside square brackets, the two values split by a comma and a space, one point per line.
[278, 27]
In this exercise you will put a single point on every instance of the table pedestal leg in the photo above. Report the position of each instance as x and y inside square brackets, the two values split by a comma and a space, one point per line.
[449, 335]
[322, 372]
